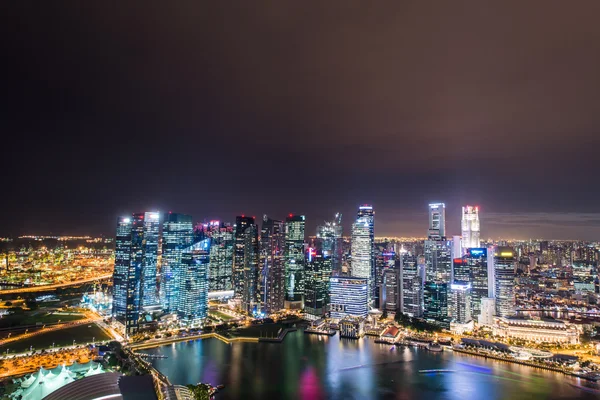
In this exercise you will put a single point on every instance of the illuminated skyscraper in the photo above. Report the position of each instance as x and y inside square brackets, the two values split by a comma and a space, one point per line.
[470, 227]
[126, 277]
[438, 250]
[437, 221]
[472, 268]
[436, 301]
[136, 253]
[390, 289]
[245, 263]
[330, 236]
[504, 270]
[294, 261]
[221, 254]
[438, 260]
[272, 276]
[459, 302]
[411, 300]
[149, 245]
[316, 279]
[363, 250]
[193, 304]
[385, 258]
[177, 235]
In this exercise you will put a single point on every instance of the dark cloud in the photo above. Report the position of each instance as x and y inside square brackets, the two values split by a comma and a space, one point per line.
[216, 109]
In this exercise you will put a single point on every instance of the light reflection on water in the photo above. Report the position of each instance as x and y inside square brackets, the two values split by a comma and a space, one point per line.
[309, 367]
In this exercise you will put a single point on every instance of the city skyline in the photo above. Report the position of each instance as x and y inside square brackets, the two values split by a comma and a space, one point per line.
[309, 200]
[496, 226]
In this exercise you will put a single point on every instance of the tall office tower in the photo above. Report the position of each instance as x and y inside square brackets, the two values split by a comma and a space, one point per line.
[470, 227]
[193, 303]
[348, 297]
[385, 257]
[411, 300]
[272, 276]
[504, 270]
[245, 262]
[488, 309]
[472, 268]
[125, 278]
[294, 261]
[250, 298]
[438, 260]
[316, 278]
[480, 280]
[136, 254]
[391, 289]
[221, 254]
[457, 249]
[330, 236]
[437, 221]
[436, 301]
[491, 250]
[177, 235]
[362, 250]
[459, 302]
[148, 284]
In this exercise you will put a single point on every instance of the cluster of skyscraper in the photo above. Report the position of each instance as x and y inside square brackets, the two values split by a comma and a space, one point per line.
[454, 277]
[181, 286]
[273, 267]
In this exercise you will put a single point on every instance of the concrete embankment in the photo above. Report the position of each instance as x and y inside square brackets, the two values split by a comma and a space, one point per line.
[520, 362]
[212, 335]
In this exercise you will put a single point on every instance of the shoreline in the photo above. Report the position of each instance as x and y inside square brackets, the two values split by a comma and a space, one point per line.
[281, 337]
[524, 363]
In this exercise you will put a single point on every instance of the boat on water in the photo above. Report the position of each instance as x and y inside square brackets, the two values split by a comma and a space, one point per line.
[435, 371]
[434, 346]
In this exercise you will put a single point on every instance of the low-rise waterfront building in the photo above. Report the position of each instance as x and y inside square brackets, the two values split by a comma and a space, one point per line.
[352, 327]
[536, 330]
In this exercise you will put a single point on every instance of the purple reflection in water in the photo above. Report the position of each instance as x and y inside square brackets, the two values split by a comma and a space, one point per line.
[310, 387]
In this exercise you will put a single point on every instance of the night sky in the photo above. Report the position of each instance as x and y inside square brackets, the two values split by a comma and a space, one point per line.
[245, 107]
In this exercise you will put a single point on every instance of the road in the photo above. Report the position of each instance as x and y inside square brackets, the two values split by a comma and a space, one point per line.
[44, 288]
[57, 327]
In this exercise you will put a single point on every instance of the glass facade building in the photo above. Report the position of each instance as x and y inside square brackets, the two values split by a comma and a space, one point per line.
[272, 276]
[136, 255]
[330, 237]
[245, 261]
[436, 301]
[438, 260]
[411, 300]
[221, 254]
[193, 305]
[125, 277]
[470, 227]
[459, 307]
[437, 221]
[348, 297]
[177, 235]
[294, 261]
[504, 276]
[316, 278]
[149, 244]
[363, 247]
